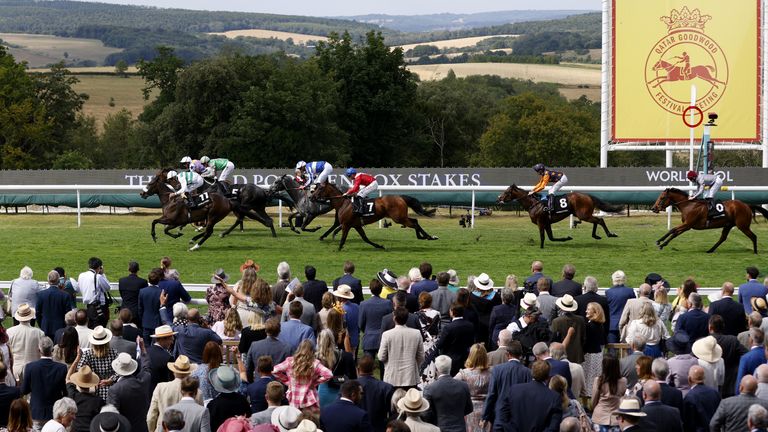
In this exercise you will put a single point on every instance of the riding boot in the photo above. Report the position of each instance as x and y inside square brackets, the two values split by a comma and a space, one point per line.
[550, 202]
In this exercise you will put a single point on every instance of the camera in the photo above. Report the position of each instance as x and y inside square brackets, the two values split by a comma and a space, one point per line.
[712, 117]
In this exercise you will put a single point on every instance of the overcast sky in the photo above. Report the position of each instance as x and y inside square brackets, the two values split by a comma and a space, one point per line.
[357, 7]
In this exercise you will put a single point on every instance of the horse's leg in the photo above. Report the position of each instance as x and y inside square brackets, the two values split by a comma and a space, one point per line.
[154, 236]
[360, 231]
[676, 231]
[417, 226]
[266, 220]
[334, 228]
[344, 232]
[595, 222]
[291, 217]
[168, 232]
[748, 232]
[336, 231]
[541, 233]
[239, 221]
[307, 219]
[548, 227]
[660, 82]
[723, 236]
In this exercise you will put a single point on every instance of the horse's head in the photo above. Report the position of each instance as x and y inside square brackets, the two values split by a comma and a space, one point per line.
[154, 186]
[324, 191]
[661, 64]
[279, 185]
[510, 194]
[662, 202]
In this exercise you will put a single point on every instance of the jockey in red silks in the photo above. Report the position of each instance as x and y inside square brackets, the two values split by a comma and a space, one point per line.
[367, 181]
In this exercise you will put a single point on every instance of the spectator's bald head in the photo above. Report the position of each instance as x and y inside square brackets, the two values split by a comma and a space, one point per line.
[696, 375]
[570, 424]
[727, 289]
[755, 319]
[748, 385]
[651, 390]
[761, 373]
[645, 290]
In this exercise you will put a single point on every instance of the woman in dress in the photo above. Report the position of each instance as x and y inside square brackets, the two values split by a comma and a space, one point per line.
[338, 329]
[168, 272]
[593, 346]
[217, 297]
[661, 302]
[477, 374]
[253, 296]
[100, 358]
[607, 391]
[341, 364]
[327, 302]
[67, 349]
[19, 417]
[650, 329]
[212, 357]
[571, 407]
[302, 373]
[644, 373]
[429, 323]
[230, 327]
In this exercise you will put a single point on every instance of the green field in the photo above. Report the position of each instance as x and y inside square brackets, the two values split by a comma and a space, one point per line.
[499, 245]
[125, 93]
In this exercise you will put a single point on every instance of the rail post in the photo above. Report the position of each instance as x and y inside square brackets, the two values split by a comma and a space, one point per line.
[473, 209]
[78, 208]
[280, 213]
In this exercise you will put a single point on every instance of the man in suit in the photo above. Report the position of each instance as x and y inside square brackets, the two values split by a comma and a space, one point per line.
[569, 320]
[257, 389]
[754, 357]
[661, 416]
[274, 395]
[695, 322]
[132, 382]
[314, 289]
[293, 331]
[130, 330]
[530, 406]
[270, 346]
[443, 298]
[117, 342]
[633, 308]
[590, 295]
[752, 288]
[169, 393]
[757, 419]
[425, 283]
[196, 416]
[732, 352]
[44, 378]
[700, 402]
[345, 414]
[52, 304]
[449, 398]
[567, 285]
[499, 356]
[579, 385]
[174, 289]
[308, 312]
[7, 395]
[556, 367]
[24, 340]
[628, 362]
[731, 414]
[191, 338]
[159, 354]
[411, 301]
[503, 377]
[149, 304]
[669, 395]
[537, 272]
[374, 392]
[353, 282]
[371, 313]
[401, 351]
[130, 287]
[617, 296]
[399, 300]
[734, 318]
[456, 338]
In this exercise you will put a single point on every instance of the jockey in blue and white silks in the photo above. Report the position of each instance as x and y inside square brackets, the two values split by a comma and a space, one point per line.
[316, 172]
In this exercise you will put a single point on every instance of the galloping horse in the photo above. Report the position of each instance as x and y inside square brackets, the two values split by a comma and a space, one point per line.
[694, 216]
[304, 207]
[674, 73]
[580, 205]
[251, 201]
[176, 213]
[394, 207]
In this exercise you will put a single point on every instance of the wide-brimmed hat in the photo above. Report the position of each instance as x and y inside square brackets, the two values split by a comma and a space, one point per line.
[387, 278]
[413, 402]
[453, 277]
[100, 336]
[124, 365]
[24, 313]
[629, 407]
[654, 278]
[344, 291]
[224, 379]
[758, 305]
[528, 301]
[306, 426]
[182, 365]
[85, 377]
[285, 417]
[163, 331]
[250, 264]
[567, 303]
[707, 349]
[110, 422]
[483, 282]
[679, 343]
[220, 273]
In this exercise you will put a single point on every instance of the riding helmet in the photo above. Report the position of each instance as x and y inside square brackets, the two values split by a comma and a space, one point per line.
[186, 159]
[204, 160]
[300, 165]
[350, 172]
[171, 174]
[692, 175]
[538, 167]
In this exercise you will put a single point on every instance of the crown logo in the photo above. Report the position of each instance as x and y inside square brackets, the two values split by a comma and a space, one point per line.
[685, 19]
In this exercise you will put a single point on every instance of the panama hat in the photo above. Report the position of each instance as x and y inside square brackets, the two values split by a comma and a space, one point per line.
[344, 291]
[483, 282]
[453, 277]
[567, 303]
[24, 313]
[124, 365]
[285, 417]
[100, 336]
[85, 378]
[629, 407]
[224, 379]
[387, 278]
[182, 365]
[306, 426]
[528, 301]
[163, 331]
[679, 343]
[221, 275]
[707, 349]
[413, 402]
[759, 305]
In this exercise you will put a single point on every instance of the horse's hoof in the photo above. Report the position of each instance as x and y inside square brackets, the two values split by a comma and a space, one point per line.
[194, 248]
[658, 243]
[613, 235]
[710, 251]
[434, 238]
[597, 237]
[222, 235]
[569, 238]
[660, 247]
[191, 241]
[379, 247]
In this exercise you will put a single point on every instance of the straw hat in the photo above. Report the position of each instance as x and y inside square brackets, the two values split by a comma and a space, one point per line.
[758, 305]
[24, 313]
[528, 301]
[387, 278]
[567, 303]
[707, 349]
[413, 402]
[85, 377]
[629, 407]
[306, 426]
[224, 379]
[124, 365]
[453, 277]
[483, 282]
[344, 291]
[163, 331]
[285, 417]
[182, 365]
[220, 273]
[100, 336]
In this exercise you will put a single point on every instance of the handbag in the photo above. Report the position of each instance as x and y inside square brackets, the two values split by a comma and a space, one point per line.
[337, 381]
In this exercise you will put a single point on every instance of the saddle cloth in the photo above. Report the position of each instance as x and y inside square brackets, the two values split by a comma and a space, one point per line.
[200, 200]
[363, 206]
[716, 210]
[559, 204]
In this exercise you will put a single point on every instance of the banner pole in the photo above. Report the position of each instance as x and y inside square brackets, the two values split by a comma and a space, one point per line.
[605, 85]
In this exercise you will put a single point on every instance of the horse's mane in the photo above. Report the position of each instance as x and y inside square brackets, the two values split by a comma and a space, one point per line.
[676, 190]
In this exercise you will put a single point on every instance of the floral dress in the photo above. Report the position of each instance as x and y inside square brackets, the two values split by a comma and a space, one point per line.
[478, 380]
[218, 302]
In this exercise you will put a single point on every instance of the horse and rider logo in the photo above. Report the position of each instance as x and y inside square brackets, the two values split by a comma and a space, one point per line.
[683, 57]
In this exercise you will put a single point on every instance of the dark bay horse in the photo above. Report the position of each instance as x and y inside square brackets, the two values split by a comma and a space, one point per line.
[394, 207]
[580, 205]
[176, 213]
[303, 206]
[694, 215]
[251, 202]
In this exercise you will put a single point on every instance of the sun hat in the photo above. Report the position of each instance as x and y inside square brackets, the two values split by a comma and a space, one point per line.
[759, 305]
[24, 313]
[630, 407]
[100, 336]
[528, 301]
[109, 422]
[413, 402]
[85, 377]
[250, 264]
[163, 331]
[387, 278]
[453, 277]
[306, 426]
[567, 303]
[344, 291]
[679, 343]
[285, 417]
[224, 379]
[124, 365]
[483, 282]
[182, 365]
[707, 349]
[220, 273]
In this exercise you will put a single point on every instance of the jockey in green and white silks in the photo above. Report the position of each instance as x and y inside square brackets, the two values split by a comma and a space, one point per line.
[189, 181]
[219, 168]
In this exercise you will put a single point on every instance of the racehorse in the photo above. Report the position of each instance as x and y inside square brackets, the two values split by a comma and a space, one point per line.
[580, 205]
[251, 202]
[394, 207]
[694, 216]
[675, 74]
[176, 213]
[304, 207]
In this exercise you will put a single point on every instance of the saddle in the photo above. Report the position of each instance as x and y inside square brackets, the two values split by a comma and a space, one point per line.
[715, 209]
[556, 203]
[363, 206]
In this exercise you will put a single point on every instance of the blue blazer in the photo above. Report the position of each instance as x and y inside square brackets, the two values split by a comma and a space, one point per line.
[293, 332]
[695, 323]
[529, 407]
[699, 405]
[749, 362]
[559, 367]
[344, 416]
[354, 283]
[149, 307]
[752, 288]
[734, 318]
[427, 285]
[352, 318]
[52, 304]
[44, 378]
[369, 321]
[7, 395]
[503, 377]
[617, 297]
[191, 339]
[375, 394]
[175, 291]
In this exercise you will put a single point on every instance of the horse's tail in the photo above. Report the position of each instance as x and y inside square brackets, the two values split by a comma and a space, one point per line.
[758, 209]
[604, 206]
[416, 206]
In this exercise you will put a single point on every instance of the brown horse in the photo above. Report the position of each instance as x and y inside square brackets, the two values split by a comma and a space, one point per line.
[176, 213]
[580, 205]
[674, 74]
[694, 216]
[394, 207]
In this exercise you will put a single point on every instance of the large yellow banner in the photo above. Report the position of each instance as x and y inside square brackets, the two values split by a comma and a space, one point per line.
[662, 48]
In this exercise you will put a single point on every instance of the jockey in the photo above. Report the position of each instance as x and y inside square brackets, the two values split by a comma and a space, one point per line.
[317, 172]
[367, 181]
[713, 181]
[219, 168]
[189, 181]
[547, 176]
[185, 162]
[196, 166]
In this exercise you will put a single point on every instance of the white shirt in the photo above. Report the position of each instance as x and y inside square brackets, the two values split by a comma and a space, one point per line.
[53, 426]
[83, 334]
[87, 283]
